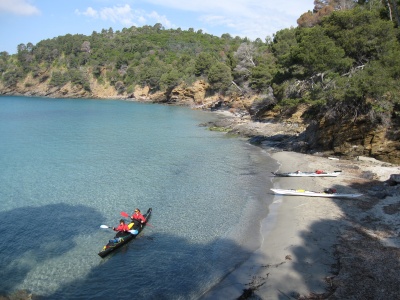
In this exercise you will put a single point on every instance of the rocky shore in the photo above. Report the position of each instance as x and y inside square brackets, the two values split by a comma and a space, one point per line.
[317, 248]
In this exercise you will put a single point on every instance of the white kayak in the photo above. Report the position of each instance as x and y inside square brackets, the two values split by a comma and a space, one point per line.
[308, 174]
[314, 194]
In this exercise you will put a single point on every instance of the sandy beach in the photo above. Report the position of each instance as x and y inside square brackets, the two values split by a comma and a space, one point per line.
[319, 248]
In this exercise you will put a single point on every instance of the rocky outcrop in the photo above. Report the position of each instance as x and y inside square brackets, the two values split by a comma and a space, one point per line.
[347, 140]
[141, 93]
[194, 95]
[356, 139]
[40, 87]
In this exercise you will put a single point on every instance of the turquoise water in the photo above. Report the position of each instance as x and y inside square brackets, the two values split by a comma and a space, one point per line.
[68, 165]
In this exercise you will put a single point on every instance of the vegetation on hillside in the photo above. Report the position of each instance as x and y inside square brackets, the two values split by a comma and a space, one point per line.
[343, 61]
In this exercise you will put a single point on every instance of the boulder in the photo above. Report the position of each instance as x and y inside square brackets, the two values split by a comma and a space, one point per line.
[395, 178]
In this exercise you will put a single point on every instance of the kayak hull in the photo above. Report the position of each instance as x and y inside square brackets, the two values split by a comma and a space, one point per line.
[313, 194]
[123, 238]
[307, 174]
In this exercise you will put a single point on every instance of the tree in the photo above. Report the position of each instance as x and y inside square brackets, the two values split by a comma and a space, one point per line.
[283, 41]
[334, 4]
[323, 8]
[393, 10]
[226, 36]
[158, 27]
[369, 93]
[85, 47]
[59, 78]
[245, 60]
[245, 54]
[29, 47]
[120, 87]
[12, 77]
[361, 33]
[4, 55]
[25, 58]
[203, 63]
[170, 79]
[263, 74]
[220, 77]
[21, 47]
[150, 76]
[318, 53]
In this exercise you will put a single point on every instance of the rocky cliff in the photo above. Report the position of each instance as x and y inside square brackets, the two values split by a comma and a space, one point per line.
[359, 138]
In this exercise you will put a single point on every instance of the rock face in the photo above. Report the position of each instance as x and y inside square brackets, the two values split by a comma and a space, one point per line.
[357, 139]
[40, 87]
[394, 178]
[191, 95]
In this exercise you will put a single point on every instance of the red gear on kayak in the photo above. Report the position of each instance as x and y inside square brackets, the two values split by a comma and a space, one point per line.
[122, 226]
[138, 216]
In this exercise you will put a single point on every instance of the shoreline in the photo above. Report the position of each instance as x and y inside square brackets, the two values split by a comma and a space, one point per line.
[276, 270]
[310, 245]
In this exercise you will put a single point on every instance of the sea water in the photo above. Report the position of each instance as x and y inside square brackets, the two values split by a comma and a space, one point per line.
[68, 166]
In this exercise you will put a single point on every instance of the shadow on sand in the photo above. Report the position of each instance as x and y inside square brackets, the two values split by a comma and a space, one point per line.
[361, 266]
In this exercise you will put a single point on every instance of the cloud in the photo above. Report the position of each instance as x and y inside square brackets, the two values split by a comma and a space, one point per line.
[160, 19]
[251, 18]
[252, 26]
[18, 7]
[125, 15]
[115, 14]
[245, 18]
[237, 7]
[122, 14]
[90, 12]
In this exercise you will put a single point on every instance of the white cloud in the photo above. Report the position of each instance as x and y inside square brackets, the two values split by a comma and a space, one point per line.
[160, 19]
[125, 15]
[115, 14]
[90, 12]
[290, 7]
[18, 7]
[142, 20]
[251, 18]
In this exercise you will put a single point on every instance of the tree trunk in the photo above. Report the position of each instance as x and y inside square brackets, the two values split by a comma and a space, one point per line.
[237, 86]
[396, 12]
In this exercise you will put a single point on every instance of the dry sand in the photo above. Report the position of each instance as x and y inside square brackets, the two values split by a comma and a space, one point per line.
[319, 248]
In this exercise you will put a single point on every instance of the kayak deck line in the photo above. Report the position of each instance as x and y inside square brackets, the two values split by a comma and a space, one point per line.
[300, 192]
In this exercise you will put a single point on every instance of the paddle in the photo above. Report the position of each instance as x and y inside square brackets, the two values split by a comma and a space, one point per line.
[126, 215]
[134, 231]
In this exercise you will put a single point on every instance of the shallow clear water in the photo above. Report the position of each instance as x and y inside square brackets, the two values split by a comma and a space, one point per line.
[67, 166]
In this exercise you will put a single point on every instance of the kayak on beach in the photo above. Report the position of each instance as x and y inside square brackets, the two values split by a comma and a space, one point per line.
[316, 173]
[329, 194]
[122, 238]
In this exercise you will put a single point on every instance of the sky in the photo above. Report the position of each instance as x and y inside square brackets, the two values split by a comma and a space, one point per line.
[30, 21]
